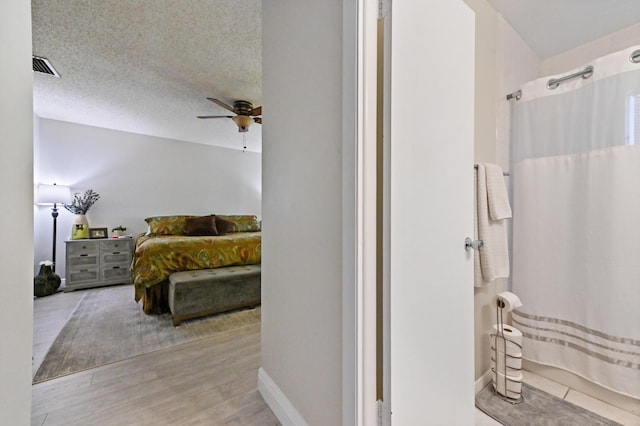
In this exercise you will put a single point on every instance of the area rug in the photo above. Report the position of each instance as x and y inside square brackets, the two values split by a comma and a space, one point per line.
[538, 409]
[108, 326]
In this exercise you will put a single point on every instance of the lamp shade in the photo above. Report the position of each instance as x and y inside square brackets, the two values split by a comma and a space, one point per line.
[53, 194]
[243, 122]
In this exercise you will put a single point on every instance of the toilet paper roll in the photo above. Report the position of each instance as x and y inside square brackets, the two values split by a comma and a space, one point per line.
[514, 385]
[511, 301]
[510, 333]
[510, 344]
[504, 363]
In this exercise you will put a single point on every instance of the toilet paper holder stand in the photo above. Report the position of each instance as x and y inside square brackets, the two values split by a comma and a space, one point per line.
[500, 337]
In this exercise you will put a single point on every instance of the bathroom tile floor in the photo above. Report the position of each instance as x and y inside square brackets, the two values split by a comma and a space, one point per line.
[599, 407]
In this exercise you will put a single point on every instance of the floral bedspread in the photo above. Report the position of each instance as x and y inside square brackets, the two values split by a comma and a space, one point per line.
[157, 257]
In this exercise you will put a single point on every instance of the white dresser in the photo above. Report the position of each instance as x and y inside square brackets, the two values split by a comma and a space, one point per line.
[96, 263]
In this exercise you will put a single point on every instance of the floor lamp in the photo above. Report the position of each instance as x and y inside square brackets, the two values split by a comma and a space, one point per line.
[53, 194]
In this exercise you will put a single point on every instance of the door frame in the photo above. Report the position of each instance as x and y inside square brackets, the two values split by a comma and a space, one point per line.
[453, 46]
[359, 211]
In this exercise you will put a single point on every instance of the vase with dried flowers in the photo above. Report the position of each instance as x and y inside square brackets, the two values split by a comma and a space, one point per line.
[80, 206]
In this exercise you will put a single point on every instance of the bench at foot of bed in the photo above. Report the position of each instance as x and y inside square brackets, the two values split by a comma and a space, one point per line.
[203, 292]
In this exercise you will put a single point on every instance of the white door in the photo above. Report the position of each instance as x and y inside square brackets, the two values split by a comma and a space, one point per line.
[431, 212]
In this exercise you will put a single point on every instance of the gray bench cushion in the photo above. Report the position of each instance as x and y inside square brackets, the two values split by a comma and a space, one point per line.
[209, 291]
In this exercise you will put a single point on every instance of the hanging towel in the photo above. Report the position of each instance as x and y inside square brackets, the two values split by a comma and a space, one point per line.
[492, 260]
[499, 207]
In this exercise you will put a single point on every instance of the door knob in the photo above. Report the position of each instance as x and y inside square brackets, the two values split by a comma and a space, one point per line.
[472, 244]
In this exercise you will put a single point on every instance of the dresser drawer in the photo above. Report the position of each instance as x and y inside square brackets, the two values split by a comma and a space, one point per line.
[117, 257]
[82, 261]
[82, 249]
[83, 275]
[116, 273]
[114, 246]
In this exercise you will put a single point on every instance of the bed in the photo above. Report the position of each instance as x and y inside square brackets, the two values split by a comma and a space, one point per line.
[171, 245]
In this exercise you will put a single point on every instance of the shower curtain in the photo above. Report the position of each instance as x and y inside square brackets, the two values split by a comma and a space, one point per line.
[575, 167]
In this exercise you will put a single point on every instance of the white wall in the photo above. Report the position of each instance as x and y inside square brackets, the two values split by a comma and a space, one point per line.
[503, 62]
[581, 55]
[16, 250]
[486, 63]
[138, 176]
[518, 64]
[302, 205]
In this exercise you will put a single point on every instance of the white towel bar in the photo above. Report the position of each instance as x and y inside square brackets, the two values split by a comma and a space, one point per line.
[475, 166]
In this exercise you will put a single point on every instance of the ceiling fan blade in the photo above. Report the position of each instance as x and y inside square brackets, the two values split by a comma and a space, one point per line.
[215, 116]
[256, 111]
[222, 104]
[257, 120]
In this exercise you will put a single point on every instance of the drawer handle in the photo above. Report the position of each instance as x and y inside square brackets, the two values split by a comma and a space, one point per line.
[84, 255]
[84, 270]
[116, 252]
[116, 267]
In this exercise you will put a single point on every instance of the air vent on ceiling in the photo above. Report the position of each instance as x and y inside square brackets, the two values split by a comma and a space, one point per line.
[44, 66]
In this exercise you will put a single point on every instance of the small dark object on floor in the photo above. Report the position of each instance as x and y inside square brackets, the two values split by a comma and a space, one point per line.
[46, 282]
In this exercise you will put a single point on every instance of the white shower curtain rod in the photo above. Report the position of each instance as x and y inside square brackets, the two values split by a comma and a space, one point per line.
[553, 83]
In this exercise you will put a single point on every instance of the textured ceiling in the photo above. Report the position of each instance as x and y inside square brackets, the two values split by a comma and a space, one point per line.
[551, 27]
[147, 66]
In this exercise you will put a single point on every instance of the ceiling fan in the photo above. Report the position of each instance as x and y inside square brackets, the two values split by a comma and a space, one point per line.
[244, 110]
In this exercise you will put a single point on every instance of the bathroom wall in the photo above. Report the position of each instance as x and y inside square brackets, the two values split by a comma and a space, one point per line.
[581, 55]
[503, 62]
[486, 62]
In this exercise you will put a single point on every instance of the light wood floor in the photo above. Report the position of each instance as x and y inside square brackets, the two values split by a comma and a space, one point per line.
[208, 382]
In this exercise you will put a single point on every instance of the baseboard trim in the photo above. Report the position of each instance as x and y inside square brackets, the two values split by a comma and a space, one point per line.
[484, 380]
[278, 402]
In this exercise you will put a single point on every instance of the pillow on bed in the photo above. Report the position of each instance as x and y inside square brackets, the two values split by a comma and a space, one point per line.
[167, 225]
[244, 223]
[224, 226]
[205, 225]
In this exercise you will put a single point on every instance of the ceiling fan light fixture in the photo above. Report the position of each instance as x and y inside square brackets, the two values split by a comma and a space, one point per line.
[243, 122]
